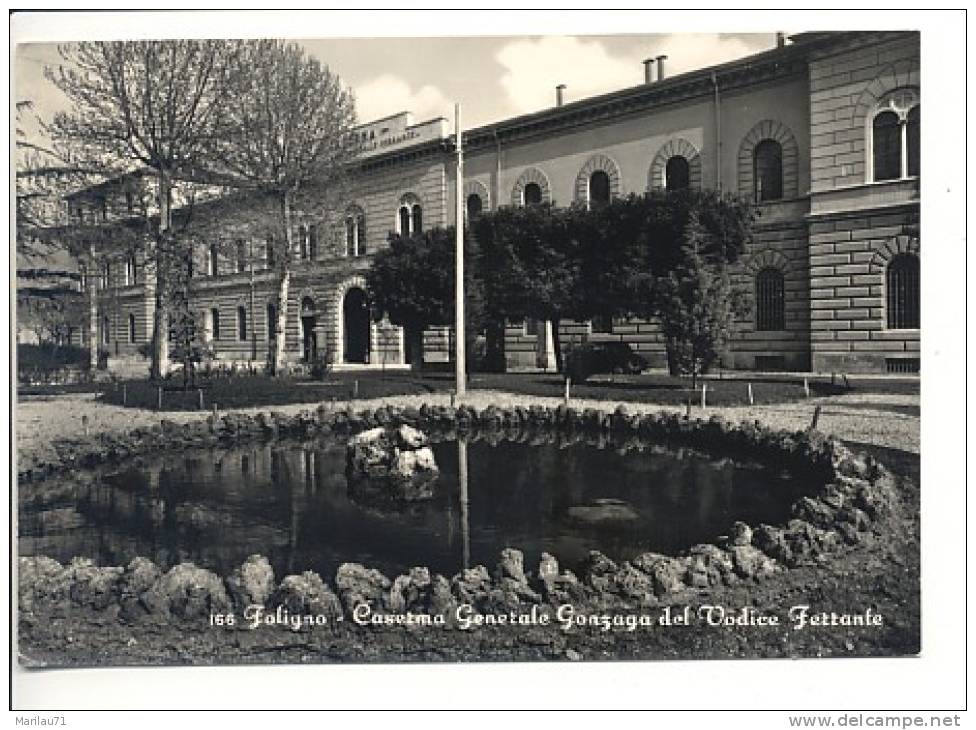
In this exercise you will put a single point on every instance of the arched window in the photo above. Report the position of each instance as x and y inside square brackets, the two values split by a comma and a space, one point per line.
[532, 194]
[269, 251]
[303, 242]
[913, 140]
[132, 328]
[473, 206]
[901, 284]
[894, 136]
[599, 189]
[272, 321]
[215, 323]
[241, 257]
[886, 143]
[130, 270]
[355, 232]
[313, 241]
[770, 301]
[212, 260]
[767, 161]
[677, 174]
[410, 216]
[242, 324]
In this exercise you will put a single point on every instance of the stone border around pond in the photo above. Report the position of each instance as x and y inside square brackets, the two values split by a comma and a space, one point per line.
[857, 496]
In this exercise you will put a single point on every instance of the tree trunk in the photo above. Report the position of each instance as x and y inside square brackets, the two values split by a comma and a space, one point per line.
[495, 346]
[544, 348]
[160, 350]
[92, 311]
[556, 344]
[278, 362]
[414, 344]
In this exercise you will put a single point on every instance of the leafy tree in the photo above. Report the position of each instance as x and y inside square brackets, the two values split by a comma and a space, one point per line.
[288, 141]
[412, 281]
[697, 304]
[530, 263]
[157, 105]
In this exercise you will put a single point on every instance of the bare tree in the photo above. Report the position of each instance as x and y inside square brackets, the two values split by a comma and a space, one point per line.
[147, 104]
[44, 175]
[290, 143]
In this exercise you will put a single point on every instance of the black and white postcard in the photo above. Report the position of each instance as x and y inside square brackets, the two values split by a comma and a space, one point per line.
[558, 348]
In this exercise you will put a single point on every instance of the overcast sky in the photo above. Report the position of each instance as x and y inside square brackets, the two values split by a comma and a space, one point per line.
[492, 77]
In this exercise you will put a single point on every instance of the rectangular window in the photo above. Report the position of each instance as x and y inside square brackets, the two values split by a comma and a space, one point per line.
[770, 363]
[215, 323]
[602, 325]
[241, 257]
[910, 365]
[313, 242]
[242, 324]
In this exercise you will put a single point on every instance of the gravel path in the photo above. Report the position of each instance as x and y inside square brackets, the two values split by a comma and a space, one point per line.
[883, 420]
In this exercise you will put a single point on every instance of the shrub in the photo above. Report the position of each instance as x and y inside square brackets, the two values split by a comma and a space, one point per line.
[591, 358]
[321, 367]
[48, 362]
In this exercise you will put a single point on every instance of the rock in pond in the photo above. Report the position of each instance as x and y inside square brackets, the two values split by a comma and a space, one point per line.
[603, 510]
[394, 463]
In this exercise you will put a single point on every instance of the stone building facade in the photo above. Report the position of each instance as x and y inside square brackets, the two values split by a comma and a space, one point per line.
[822, 132]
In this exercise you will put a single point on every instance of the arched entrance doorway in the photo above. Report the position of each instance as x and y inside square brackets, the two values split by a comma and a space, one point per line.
[355, 326]
[309, 341]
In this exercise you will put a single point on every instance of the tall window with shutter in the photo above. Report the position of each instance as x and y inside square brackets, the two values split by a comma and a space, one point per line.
[902, 289]
[770, 301]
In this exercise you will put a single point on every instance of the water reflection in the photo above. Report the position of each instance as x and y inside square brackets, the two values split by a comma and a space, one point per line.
[293, 503]
[462, 447]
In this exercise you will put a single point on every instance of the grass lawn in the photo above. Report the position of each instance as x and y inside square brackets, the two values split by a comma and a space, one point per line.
[656, 388]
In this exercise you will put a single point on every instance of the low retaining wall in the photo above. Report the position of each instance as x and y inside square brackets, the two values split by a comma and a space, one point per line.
[857, 496]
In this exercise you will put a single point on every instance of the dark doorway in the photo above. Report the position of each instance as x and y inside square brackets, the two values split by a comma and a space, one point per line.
[355, 320]
[309, 341]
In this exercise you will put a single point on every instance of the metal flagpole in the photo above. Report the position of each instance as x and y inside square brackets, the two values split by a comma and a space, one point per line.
[460, 374]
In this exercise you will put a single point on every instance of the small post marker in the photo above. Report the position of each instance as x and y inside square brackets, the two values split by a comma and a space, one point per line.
[847, 383]
[816, 418]
[751, 401]
[688, 409]
[159, 397]
[833, 378]
[452, 400]
[806, 387]
[355, 388]
[566, 393]
[214, 404]
[84, 424]
[200, 398]
[124, 394]
[704, 389]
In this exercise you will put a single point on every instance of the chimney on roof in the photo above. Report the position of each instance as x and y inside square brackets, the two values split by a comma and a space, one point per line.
[780, 39]
[660, 67]
[648, 70]
[559, 94]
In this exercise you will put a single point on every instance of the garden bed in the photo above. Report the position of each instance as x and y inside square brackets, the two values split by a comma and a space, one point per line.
[256, 391]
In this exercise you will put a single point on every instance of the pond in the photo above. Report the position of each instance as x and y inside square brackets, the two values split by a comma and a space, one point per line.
[291, 502]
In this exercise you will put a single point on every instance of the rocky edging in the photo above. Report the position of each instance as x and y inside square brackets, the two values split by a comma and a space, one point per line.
[857, 497]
